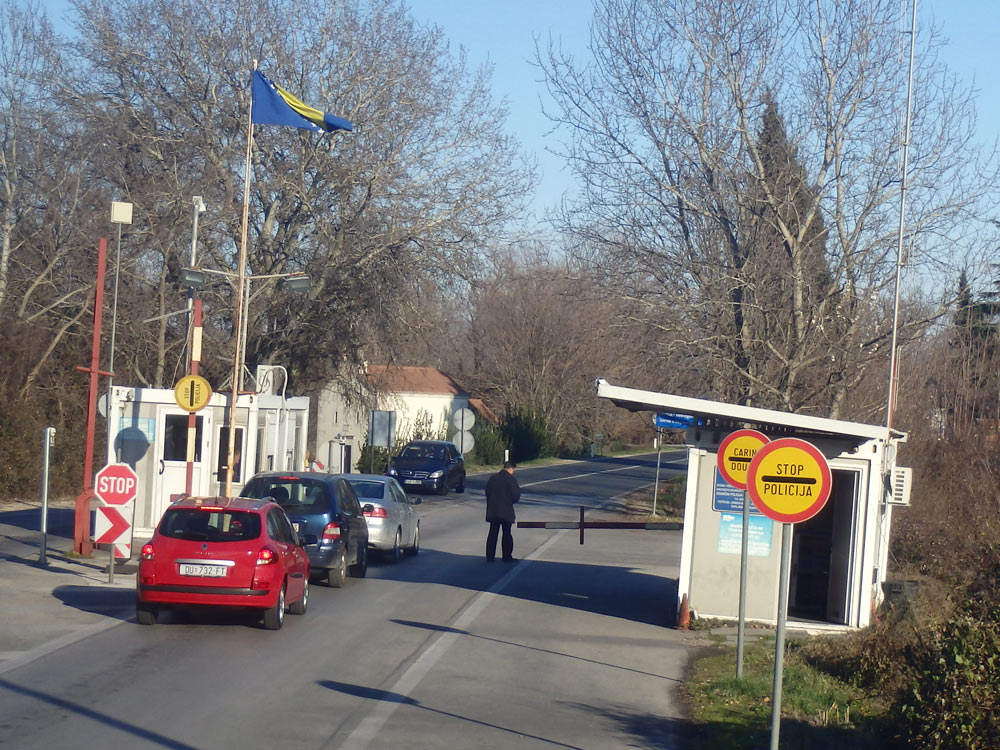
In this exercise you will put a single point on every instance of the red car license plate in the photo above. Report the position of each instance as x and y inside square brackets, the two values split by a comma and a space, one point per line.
[203, 571]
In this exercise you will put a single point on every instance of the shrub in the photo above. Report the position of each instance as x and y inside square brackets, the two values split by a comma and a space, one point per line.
[527, 433]
[490, 446]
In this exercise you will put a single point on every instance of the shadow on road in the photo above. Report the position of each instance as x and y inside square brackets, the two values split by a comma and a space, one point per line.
[112, 602]
[611, 590]
[359, 691]
[458, 631]
[62, 704]
[59, 523]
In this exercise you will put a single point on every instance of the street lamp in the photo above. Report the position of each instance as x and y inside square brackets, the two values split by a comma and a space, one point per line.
[121, 213]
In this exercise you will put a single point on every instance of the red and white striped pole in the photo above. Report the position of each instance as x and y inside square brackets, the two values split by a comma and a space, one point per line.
[192, 434]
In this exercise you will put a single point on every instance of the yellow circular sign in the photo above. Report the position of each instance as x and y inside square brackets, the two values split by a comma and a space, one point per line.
[735, 453]
[192, 392]
[789, 480]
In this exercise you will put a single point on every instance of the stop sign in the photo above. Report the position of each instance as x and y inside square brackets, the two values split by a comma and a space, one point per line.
[116, 484]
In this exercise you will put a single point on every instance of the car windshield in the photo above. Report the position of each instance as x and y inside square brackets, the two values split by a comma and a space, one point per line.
[368, 490]
[423, 451]
[197, 525]
[300, 495]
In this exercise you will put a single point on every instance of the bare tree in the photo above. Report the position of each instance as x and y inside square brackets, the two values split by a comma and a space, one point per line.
[165, 85]
[740, 173]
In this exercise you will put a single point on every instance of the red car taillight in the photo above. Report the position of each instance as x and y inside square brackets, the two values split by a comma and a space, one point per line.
[147, 552]
[332, 532]
[376, 513]
[267, 556]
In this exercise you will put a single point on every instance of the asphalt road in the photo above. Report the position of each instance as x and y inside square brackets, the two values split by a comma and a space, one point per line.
[568, 648]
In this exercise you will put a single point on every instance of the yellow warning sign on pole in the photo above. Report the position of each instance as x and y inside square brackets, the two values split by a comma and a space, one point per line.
[192, 392]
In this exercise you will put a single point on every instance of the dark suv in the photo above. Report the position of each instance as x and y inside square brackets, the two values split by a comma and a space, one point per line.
[325, 512]
[429, 465]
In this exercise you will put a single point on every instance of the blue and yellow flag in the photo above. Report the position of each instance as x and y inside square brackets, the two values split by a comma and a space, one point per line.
[272, 105]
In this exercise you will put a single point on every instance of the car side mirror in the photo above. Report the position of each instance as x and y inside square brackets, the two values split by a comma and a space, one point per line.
[308, 539]
[416, 500]
[367, 508]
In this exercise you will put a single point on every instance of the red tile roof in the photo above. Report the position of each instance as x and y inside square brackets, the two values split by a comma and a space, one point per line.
[401, 379]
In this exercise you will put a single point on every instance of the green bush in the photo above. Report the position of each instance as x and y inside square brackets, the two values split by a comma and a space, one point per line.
[527, 433]
[956, 691]
[490, 446]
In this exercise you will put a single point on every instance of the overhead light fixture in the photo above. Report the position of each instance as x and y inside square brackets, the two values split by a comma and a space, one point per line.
[199, 204]
[193, 278]
[298, 284]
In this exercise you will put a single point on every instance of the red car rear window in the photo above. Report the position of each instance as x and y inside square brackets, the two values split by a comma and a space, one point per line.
[196, 525]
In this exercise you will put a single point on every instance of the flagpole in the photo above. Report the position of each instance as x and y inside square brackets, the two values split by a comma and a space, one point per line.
[240, 282]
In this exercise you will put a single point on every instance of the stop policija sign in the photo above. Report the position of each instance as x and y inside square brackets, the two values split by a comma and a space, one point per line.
[116, 484]
[789, 480]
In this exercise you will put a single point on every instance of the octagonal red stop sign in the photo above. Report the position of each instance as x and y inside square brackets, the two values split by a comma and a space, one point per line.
[116, 484]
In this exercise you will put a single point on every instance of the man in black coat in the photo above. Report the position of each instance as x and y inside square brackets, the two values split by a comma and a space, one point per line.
[502, 491]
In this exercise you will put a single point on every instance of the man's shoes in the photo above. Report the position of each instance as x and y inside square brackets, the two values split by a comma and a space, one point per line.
[491, 559]
[510, 559]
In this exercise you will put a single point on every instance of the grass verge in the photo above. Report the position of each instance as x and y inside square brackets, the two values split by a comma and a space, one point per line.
[819, 712]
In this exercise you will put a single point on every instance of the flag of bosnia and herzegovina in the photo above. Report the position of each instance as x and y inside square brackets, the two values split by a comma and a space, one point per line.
[272, 105]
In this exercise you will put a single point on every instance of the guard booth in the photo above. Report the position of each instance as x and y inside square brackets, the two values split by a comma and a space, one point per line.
[148, 431]
[839, 557]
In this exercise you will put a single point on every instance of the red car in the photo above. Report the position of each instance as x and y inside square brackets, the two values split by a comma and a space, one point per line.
[235, 552]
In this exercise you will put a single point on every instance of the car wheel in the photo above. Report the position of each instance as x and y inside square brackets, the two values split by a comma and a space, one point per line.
[274, 617]
[300, 607]
[443, 489]
[415, 547]
[360, 568]
[335, 577]
[461, 486]
[146, 614]
[397, 547]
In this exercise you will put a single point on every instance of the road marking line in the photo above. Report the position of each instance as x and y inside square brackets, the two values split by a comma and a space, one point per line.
[371, 725]
[580, 476]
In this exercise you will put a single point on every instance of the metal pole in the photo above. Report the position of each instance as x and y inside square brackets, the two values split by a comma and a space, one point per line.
[741, 623]
[81, 527]
[114, 328]
[779, 641]
[199, 206]
[893, 355]
[111, 563]
[241, 271]
[48, 438]
[659, 450]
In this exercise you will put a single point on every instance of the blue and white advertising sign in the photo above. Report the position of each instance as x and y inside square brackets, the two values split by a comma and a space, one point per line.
[670, 421]
[727, 498]
[759, 534]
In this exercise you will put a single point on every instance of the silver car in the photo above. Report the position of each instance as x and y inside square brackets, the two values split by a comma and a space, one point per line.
[393, 525]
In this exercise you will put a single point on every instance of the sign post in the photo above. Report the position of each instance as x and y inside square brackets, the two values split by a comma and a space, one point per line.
[733, 459]
[115, 485]
[789, 480]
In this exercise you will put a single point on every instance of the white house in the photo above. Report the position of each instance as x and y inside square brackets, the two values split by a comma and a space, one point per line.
[421, 399]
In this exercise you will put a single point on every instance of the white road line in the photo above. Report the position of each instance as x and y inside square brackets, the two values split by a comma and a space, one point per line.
[372, 724]
[580, 476]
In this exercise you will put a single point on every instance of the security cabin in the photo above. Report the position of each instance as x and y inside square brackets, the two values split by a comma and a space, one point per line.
[148, 430]
[839, 556]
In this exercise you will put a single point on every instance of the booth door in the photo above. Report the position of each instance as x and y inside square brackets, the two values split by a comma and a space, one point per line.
[822, 555]
[171, 460]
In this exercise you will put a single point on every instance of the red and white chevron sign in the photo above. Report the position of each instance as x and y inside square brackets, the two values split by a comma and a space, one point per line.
[113, 525]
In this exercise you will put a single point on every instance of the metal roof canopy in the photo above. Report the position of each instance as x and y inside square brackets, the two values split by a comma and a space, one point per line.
[717, 414]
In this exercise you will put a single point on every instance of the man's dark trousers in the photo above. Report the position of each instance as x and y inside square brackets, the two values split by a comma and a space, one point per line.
[506, 544]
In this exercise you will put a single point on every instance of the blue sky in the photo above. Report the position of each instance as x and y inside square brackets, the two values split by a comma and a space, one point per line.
[504, 33]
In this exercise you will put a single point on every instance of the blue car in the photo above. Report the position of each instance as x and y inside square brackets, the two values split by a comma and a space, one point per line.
[429, 466]
[327, 516]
